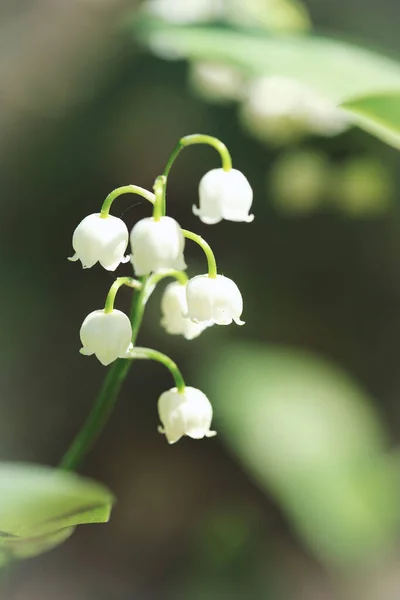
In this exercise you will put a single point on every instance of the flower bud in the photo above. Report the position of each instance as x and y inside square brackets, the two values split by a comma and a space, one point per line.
[103, 240]
[188, 413]
[224, 195]
[173, 307]
[107, 335]
[214, 300]
[157, 245]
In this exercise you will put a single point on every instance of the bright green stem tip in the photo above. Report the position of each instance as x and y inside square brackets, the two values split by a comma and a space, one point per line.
[126, 189]
[178, 275]
[212, 264]
[150, 354]
[129, 281]
[198, 138]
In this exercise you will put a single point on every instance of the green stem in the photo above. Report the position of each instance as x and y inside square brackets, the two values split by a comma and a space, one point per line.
[109, 305]
[109, 391]
[98, 416]
[177, 150]
[190, 140]
[159, 190]
[212, 265]
[178, 275]
[150, 354]
[126, 189]
[138, 307]
[199, 138]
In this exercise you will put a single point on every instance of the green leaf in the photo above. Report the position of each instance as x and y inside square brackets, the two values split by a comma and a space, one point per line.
[272, 15]
[40, 507]
[364, 82]
[378, 114]
[338, 69]
[309, 435]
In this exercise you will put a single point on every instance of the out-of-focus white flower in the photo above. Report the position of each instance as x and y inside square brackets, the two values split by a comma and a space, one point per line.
[189, 413]
[278, 16]
[217, 82]
[100, 240]
[300, 181]
[173, 307]
[224, 195]
[157, 245]
[280, 109]
[185, 11]
[107, 335]
[214, 300]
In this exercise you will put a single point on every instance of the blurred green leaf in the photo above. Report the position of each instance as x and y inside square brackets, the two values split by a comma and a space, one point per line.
[40, 507]
[340, 71]
[273, 15]
[309, 434]
[337, 69]
[378, 114]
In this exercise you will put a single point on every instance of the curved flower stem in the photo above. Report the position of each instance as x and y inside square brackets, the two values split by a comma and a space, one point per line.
[126, 189]
[108, 394]
[178, 275]
[190, 140]
[133, 283]
[150, 354]
[199, 138]
[212, 265]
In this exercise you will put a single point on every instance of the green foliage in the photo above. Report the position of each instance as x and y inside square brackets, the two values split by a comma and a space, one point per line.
[40, 508]
[308, 434]
[365, 83]
[378, 114]
[272, 15]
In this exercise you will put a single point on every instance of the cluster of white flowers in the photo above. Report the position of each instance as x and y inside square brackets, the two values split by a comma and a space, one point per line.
[189, 306]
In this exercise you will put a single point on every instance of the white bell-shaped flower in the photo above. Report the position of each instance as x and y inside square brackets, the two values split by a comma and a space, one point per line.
[100, 240]
[224, 195]
[107, 335]
[185, 11]
[280, 110]
[173, 307]
[189, 413]
[217, 81]
[214, 300]
[157, 245]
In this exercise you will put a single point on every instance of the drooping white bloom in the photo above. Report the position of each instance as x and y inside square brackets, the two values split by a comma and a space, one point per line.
[224, 195]
[107, 335]
[157, 245]
[217, 81]
[173, 307]
[185, 11]
[189, 413]
[280, 109]
[214, 300]
[100, 240]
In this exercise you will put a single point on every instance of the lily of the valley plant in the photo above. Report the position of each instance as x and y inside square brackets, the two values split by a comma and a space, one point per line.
[188, 307]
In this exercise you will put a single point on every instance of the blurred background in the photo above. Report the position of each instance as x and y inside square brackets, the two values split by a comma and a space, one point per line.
[297, 498]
